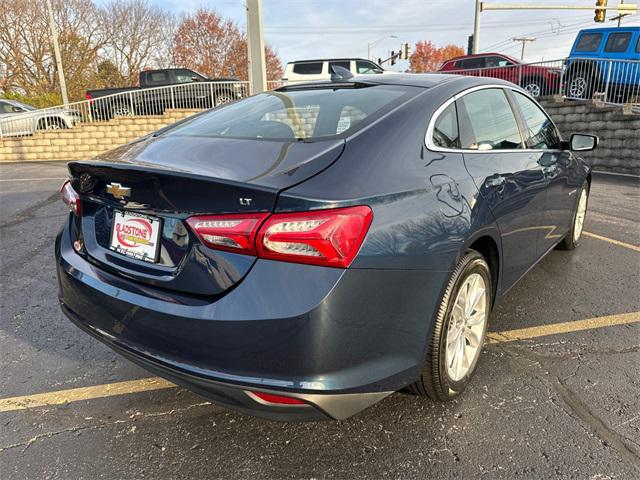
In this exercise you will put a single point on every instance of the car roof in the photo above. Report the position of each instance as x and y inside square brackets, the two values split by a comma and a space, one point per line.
[341, 59]
[483, 54]
[423, 80]
[610, 29]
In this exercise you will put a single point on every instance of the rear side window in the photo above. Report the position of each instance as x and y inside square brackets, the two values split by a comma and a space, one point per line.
[310, 68]
[157, 77]
[476, 62]
[445, 129]
[296, 114]
[541, 133]
[618, 42]
[589, 42]
[488, 122]
[339, 64]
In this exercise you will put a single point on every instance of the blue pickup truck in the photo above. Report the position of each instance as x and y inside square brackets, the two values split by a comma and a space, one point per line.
[605, 61]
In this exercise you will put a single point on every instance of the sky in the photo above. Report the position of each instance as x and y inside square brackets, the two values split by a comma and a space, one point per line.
[302, 29]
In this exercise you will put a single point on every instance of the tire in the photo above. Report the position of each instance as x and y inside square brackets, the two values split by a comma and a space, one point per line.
[439, 379]
[221, 98]
[580, 83]
[572, 239]
[535, 86]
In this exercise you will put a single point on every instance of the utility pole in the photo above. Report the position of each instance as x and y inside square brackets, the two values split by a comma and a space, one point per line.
[255, 47]
[620, 16]
[476, 27]
[56, 51]
[524, 41]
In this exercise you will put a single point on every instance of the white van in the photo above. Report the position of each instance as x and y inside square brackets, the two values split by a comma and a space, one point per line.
[312, 70]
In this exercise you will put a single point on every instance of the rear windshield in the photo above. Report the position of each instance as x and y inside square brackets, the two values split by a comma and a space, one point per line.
[296, 114]
[589, 42]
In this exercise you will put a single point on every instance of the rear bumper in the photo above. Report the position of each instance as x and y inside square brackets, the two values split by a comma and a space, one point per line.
[339, 339]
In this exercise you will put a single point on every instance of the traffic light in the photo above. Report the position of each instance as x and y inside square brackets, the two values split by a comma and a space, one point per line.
[601, 15]
[393, 57]
[469, 44]
[405, 51]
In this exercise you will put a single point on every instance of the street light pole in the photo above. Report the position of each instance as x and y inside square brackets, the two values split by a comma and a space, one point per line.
[255, 47]
[56, 51]
[476, 27]
[375, 42]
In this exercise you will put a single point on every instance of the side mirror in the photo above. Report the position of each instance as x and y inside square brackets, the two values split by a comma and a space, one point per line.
[378, 70]
[196, 79]
[17, 109]
[581, 142]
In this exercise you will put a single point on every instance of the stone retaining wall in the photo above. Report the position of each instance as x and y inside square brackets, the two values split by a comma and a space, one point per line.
[85, 140]
[619, 132]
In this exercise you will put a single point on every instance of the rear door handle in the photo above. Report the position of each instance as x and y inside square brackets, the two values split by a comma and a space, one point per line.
[497, 181]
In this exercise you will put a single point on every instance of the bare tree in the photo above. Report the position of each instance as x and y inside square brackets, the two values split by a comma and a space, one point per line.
[138, 36]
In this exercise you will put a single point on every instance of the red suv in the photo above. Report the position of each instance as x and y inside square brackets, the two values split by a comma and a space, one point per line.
[536, 79]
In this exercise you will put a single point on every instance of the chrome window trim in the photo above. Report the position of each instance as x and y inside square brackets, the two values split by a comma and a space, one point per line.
[428, 139]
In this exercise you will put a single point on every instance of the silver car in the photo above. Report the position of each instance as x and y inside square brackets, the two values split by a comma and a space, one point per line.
[17, 118]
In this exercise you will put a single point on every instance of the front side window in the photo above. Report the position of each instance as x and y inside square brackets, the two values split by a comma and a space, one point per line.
[303, 114]
[638, 45]
[541, 133]
[186, 76]
[498, 62]
[445, 129]
[488, 122]
[618, 42]
[309, 68]
[589, 42]
[364, 67]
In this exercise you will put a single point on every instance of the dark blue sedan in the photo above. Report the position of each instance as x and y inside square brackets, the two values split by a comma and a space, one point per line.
[305, 252]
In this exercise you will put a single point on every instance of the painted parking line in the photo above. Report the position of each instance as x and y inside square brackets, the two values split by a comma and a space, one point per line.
[37, 179]
[565, 327]
[150, 384]
[612, 241]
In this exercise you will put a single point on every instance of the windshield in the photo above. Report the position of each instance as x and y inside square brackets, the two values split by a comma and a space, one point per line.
[24, 106]
[296, 114]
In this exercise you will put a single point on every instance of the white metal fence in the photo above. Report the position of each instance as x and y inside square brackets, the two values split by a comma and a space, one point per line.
[611, 81]
[18, 119]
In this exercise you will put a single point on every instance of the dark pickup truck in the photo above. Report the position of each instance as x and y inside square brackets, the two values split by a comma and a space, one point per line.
[162, 89]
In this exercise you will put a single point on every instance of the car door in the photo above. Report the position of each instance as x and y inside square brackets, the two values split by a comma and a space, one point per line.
[507, 175]
[558, 167]
[500, 67]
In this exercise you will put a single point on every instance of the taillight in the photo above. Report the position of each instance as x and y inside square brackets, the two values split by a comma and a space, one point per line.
[233, 233]
[324, 237]
[71, 198]
[330, 238]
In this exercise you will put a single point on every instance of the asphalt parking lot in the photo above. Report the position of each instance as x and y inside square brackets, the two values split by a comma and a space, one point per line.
[555, 396]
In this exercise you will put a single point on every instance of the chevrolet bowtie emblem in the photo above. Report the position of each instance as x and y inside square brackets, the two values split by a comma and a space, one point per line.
[118, 190]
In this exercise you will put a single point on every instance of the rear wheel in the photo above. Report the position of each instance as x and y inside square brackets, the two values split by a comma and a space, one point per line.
[459, 331]
[121, 110]
[572, 240]
[580, 82]
[536, 87]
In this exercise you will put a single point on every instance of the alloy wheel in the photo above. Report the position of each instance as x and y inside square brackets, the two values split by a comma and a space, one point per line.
[467, 323]
[533, 89]
[580, 214]
[577, 87]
